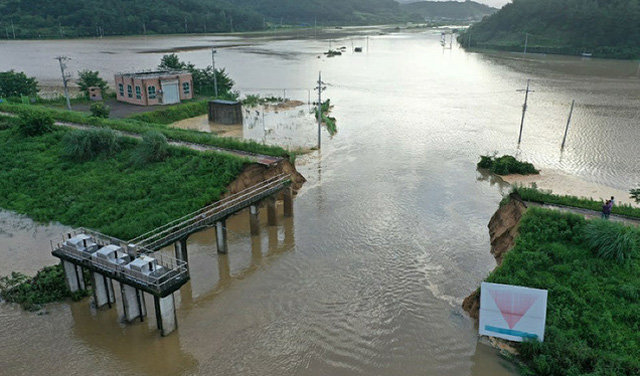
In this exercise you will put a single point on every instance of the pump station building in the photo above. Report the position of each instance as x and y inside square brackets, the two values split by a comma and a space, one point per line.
[154, 88]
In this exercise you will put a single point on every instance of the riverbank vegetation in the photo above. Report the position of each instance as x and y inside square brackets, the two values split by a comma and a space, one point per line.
[593, 312]
[506, 165]
[572, 27]
[548, 197]
[47, 286]
[171, 114]
[106, 191]
[140, 127]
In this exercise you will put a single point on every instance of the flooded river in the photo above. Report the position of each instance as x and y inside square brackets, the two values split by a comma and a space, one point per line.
[389, 233]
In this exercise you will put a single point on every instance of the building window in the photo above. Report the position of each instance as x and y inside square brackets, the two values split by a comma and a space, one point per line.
[138, 93]
[129, 91]
[152, 92]
[121, 89]
[186, 88]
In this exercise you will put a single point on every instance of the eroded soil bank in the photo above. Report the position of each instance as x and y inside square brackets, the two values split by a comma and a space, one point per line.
[256, 173]
[503, 230]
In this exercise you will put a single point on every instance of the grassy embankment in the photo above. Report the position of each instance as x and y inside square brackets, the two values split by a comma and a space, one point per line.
[590, 269]
[140, 127]
[120, 191]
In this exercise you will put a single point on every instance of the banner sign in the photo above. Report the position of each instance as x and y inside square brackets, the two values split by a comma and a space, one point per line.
[513, 313]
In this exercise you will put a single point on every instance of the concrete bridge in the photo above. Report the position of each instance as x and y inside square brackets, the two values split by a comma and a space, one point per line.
[140, 268]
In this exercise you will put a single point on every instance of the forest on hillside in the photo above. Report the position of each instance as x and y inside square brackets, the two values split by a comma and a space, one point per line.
[452, 10]
[30, 19]
[604, 28]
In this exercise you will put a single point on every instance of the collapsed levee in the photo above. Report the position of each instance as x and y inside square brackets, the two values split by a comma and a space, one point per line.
[503, 230]
[256, 173]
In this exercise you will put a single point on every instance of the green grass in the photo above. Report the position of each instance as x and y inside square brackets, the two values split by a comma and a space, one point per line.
[593, 314]
[542, 196]
[108, 193]
[140, 127]
[171, 114]
[506, 165]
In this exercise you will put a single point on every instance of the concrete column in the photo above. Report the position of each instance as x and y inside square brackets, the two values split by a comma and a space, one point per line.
[181, 250]
[272, 219]
[221, 236]
[102, 290]
[254, 220]
[165, 314]
[133, 303]
[73, 276]
[288, 202]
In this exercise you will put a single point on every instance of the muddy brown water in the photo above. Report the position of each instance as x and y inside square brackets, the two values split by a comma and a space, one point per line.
[389, 233]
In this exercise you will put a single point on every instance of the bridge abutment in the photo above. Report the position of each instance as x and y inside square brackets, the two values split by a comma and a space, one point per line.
[221, 236]
[102, 290]
[133, 303]
[254, 220]
[74, 276]
[166, 314]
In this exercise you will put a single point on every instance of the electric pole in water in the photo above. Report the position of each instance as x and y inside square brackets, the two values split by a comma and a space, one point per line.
[320, 88]
[566, 130]
[65, 78]
[524, 108]
[215, 75]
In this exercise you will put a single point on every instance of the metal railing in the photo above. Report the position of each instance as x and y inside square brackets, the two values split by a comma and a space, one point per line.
[204, 216]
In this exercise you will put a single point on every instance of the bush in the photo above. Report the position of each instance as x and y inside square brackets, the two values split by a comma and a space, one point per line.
[153, 148]
[14, 84]
[506, 165]
[175, 113]
[611, 240]
[47, 286]
[85, 145]
[100, 110]
[635, 194]
[35, 123]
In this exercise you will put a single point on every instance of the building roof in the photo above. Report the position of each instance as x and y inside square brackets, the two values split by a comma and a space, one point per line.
[152, 74]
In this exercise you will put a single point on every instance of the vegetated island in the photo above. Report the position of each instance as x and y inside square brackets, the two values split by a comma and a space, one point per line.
[506, 165]
[573, 27]
[590, 268]
[32, 19]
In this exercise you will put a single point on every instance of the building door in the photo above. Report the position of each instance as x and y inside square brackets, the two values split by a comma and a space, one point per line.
[170, 94]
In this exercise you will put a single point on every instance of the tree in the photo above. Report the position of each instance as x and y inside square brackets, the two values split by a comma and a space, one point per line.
[635, 194]
[14, 84]
[99, 109]
[89, 79]
[203, 79]
[172, 62]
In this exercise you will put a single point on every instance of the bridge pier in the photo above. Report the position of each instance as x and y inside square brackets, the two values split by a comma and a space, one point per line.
[74, 276]
[221, 236]
[133, 303]
[102, 290]
[165, 314]
[181, 250]
[288, 202]
[272, 219]
[254, 220]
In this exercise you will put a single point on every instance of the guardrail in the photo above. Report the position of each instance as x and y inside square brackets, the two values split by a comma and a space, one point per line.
[200, 218]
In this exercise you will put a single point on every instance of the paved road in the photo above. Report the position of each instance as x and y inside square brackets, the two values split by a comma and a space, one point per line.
[266, 160]
[589, 214]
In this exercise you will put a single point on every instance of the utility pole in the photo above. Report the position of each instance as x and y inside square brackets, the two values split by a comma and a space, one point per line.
[566, 130]
[13, 29]
[215, 74]
[320, 88]
[524, 109]
[526, 42]
[65, 78]
[186, 30]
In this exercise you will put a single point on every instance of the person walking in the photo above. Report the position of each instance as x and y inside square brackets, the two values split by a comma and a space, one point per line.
[613, 201]
[606, 210]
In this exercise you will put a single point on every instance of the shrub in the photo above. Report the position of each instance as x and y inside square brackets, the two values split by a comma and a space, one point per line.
[506, 165]
[635, 194]
[153, 148]
[611, 240]
[99, 109]
[14, 84]
[35, 123]
[85, 145]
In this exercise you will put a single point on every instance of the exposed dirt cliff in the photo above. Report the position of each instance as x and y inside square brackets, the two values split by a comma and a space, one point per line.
[503, 229]
[256, 173]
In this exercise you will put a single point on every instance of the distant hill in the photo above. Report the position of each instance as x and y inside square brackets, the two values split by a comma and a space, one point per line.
[448, 10]
[605, 28]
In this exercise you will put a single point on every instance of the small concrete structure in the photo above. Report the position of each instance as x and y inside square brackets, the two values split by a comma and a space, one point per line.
[221, 236]
[133, 303]
[254, 220]
[272, 219]
[95, 93]
[102, 290]
[288, 202]
[154, 88]
[166, 314]
[225, 112]
[83, 244]
[181, 250]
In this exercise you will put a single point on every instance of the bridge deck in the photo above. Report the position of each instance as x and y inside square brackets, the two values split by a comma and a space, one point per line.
[209, 215]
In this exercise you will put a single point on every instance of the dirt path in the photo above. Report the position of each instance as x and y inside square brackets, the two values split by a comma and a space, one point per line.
[587, 213]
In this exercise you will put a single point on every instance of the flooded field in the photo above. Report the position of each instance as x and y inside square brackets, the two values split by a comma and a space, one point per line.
[389, 233]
